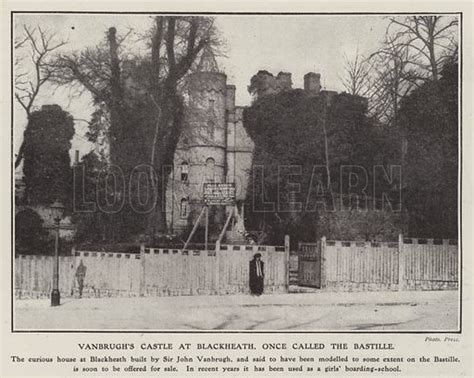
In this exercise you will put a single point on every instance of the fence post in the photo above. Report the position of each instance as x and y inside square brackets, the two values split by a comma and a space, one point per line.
[142, 270]
[73, 269]
[299, 268]
[401, 264]
[323, 262]
[218, 267]
[287, 262]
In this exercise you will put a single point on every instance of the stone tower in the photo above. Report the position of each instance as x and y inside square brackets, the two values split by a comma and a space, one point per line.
[201, 151]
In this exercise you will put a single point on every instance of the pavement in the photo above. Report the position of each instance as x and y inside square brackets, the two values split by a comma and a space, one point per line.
[314, 310]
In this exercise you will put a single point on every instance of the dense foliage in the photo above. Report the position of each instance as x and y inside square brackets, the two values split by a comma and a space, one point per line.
[101, 213]
[299, 139]
[30, 236]
[47, 165]
[429, 117]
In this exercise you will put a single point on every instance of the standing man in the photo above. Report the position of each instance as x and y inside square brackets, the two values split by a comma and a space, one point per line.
[256, 274]
[80, 275]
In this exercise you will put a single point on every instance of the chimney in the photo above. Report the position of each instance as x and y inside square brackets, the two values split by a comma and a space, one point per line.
[230, 98]
[284, 81]
[261, 84]
[312, 83]
[76, 158]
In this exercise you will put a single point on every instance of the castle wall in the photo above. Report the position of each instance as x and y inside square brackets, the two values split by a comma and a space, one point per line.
[202, 147]
[239, 153]
[214, 130]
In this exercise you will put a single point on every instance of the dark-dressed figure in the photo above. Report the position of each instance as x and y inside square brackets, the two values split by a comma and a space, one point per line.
[256, 274]
[80, 275]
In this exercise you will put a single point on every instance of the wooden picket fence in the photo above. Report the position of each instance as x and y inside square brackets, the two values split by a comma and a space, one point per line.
[429, 263]
[155, 272]
[359, 265]
[33, 275]
[410, 264]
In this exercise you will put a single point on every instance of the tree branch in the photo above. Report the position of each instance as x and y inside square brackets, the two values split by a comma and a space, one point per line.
[170, 34]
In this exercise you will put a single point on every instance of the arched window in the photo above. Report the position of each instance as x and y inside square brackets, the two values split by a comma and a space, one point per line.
[210, 163]
[184, 171]
[183, 210]
[211, 130]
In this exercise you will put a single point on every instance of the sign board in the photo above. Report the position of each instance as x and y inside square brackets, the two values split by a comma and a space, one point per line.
[219, 193]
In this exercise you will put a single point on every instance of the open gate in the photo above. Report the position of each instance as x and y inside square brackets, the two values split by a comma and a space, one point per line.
[309, 264]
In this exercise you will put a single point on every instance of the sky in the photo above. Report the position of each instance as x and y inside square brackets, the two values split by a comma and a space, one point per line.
[296, 44]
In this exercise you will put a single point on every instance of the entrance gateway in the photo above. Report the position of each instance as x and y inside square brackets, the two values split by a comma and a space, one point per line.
[309, 264]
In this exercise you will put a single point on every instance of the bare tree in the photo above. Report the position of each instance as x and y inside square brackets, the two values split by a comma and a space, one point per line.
[323, 119]
[392, 79]
[413, 51]
[174, 45]
[381, 78]
[33, 68]
[430, 39]
[356, 79]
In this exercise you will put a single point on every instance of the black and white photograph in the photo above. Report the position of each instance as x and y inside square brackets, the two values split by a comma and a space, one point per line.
[223, 172]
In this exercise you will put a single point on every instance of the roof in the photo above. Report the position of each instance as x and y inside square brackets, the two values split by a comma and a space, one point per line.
[208, 61]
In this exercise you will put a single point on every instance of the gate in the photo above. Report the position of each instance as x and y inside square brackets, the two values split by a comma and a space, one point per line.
[309, 264]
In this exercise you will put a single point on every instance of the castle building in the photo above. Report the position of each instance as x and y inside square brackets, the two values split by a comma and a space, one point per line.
[214, 145]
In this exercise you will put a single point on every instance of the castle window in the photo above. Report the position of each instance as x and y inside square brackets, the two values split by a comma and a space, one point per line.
[184, 171]
[183, 210]
[210, 130]
[210, 163]
[292, 200]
